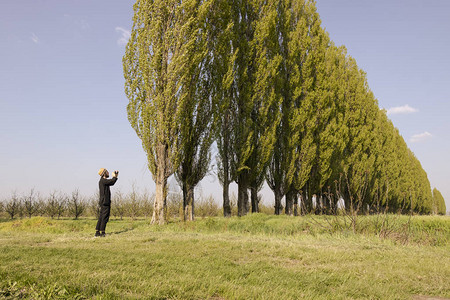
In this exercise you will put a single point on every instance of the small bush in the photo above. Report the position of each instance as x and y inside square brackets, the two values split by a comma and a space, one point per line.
[55, 205]
[131, 205]
[174, 205]
[13, 206]
[266, 209]
[146, 204]
[118, 205]
[30, 204]
[207, 207]
[93, 207]
[76, 205]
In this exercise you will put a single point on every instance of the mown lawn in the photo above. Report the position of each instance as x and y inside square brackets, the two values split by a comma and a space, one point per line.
[255, 257]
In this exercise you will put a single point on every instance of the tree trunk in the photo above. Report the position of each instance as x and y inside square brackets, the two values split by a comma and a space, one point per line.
[226, 199]
[254, 199]
[289, 203]
[289, 209]
[184, 189]
[308, 203]
[278, 206]
[296, 205]
[188, 203]
[225, 164]
[159, 206]
[242, 197]
[319, 203]
[247, 203]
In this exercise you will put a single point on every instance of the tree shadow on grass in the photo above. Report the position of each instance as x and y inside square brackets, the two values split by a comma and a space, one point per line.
[121, 231]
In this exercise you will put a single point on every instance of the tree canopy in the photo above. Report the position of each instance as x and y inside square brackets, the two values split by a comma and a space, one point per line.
[283, 104]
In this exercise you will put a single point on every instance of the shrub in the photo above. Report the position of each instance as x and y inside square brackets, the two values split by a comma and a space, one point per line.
[132, 203]
[93, 206]
[76, 205]
[30, 205]
[13, 206]
[54, 206]
[118, 205]
[146, 204]
[174, 205]
[2, 207]
[207, 207]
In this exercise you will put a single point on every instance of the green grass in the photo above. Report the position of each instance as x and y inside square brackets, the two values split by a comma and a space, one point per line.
[258, 256]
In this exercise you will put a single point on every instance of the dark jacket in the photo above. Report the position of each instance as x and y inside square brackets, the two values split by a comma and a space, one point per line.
[105, 193]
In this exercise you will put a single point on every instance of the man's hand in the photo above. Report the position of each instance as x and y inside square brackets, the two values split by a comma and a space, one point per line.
[116, 174]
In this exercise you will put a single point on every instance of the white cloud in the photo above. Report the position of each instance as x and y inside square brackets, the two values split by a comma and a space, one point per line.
[125, 36]
[80, 23]
[84, 24]
[420, 137]
[34, 38]
[405, 109]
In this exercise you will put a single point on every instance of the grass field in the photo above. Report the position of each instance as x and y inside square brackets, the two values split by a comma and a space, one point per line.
[255, 257]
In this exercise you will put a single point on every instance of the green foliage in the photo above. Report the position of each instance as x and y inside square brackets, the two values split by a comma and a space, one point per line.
[234, 86]
[438, 203]
[162, 83]
[197, 127]
[284, 104]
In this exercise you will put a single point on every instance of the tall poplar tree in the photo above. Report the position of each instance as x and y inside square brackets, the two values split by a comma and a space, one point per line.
[289, 30]
[387, 164]
[244, 18]
[196, 128]
[268, 44]
[360, 113]
[438, 203]
[224, 54]
[301, 45]
[159, 53]
[311, 100]
[234, 114]
[331, 132]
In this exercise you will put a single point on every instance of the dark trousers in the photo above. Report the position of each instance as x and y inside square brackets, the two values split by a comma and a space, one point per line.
[103, 217]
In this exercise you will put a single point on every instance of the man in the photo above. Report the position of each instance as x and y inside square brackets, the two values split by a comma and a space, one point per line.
[105, 200]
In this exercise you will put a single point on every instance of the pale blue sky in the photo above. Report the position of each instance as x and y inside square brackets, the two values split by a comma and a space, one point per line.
[63, 109]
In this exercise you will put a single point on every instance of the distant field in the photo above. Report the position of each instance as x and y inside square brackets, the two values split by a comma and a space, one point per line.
[255, 257]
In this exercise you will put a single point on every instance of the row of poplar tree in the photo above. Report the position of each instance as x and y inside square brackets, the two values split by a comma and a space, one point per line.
[262, 81]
